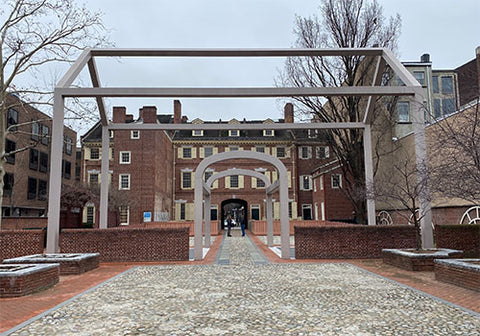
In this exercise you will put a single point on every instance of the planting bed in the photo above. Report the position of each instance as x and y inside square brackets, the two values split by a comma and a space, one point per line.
[22, 279]
[417, 260]
[460, 272]
[70, 263]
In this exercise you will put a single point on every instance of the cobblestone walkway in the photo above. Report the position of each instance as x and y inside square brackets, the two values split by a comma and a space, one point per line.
[239, 295]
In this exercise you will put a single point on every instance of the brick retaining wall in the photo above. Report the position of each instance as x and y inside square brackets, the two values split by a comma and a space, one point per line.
[464, 277]
[459, 237]
[259, 227]
[350, 241]
[128, 244]
[20, 243]
[180, 224]
[20, 223]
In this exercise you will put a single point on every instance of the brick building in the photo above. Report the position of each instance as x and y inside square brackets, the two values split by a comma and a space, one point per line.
[25, 191]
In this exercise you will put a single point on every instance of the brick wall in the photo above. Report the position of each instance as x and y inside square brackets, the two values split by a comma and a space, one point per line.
[464, 277]
[20, 223]
[14, 286]
[127, 245]
[21, 243]
[459, 237]
[259, 228]
[350, 241]
[181, 224]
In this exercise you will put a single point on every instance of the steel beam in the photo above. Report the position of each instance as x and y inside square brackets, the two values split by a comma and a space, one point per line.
[377, 80]
[75, 69]
[96, 83]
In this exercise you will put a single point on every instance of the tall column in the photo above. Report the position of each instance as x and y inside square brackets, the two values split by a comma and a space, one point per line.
[268, 210]
[367, 148]
[284, 222]
[206, 215]
[422, 169]
[104, 178]
[197, 226]
[55, 180]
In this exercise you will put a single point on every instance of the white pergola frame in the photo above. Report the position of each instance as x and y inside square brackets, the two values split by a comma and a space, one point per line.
[383, 57]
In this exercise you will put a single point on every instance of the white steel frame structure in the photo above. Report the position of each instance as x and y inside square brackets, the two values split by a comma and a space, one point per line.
[384, 57]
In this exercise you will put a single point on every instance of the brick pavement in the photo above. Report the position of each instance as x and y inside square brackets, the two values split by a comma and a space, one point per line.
[14, 311]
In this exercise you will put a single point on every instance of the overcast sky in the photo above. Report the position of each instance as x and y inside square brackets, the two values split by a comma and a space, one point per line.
[446, 29]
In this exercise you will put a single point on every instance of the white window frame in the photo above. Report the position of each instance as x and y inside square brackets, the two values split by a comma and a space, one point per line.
[120, 215]
[238, 181]
[301, 152]
[334, 186]
[120, 157]
[256, 206]
[92, 174]
[326, 151]
[183, 152]
[403, 120]
[135, 134]
[99, 155]
[233, 133]
[205, 151]
[233, 148]
[120, 185]
[268, 133]
[302, 185]
[307, 206]
[183, 179]
[284, 152]
[321, 182]
[257, 147]
[197, 133]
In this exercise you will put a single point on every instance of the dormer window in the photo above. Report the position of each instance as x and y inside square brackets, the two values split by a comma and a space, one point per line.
[234, 133]
[268, 133]
[197, 133]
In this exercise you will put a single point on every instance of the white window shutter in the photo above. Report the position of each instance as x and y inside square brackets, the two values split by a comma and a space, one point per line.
[194, 152]
[202, 152]
[327, 152]
[180, 153]
[241, 181]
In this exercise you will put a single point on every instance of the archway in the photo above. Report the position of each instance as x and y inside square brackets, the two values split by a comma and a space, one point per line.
[203, 189]
[236, 207]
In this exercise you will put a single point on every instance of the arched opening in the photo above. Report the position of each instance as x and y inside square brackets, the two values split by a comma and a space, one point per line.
[237, 208]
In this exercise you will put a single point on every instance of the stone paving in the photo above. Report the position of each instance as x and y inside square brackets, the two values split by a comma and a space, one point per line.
[245, 297]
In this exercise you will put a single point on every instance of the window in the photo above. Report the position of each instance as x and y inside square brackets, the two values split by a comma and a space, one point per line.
[43, 162]
[10, 146]
[12, 119]
[321, 182]
[124, 214]
[32, 188]
[134, 134]
[111, 134]
[214, 212]
[447, 84]
[208, 150]
[35, 131]
[435, 86]
[67, 170]
[260, 183]
[197, 133]
[187, 180]
[90, 214]
[68, 145]
[305, 152]
[280, 152]
[42, 190]
[255, 212]
[260, 149]
[322, 152]
[448, 106]
[45, 134]
[94, 153]
[33, 163]
[305, 182]
[125, 157]
[336, 181]
[306, 211]
[437, 112]
[234, 133]
[270, 133]
[403, 110]
[290, 210]
[234, 181]
[187, 152]
[124, 182]
[419, 76]
[93, 179]
[233, 148]
[182, 211]
[8, 182]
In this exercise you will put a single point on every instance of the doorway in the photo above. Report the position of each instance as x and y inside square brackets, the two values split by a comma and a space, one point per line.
[237, 208]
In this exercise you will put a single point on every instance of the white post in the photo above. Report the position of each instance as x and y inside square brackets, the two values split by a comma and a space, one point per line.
[105, 178]
[206, 215]
[367, 148]
[269, 216]
[197, 226]
[422, 169]
[284, 222]
[55, 181]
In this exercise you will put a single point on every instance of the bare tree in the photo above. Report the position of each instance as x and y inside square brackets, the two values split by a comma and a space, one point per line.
[343, 24]
[455, 154]
[33, 35]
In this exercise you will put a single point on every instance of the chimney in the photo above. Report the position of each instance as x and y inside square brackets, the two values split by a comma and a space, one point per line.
[288, 113]
[119, 114]
[425, 58]
[177, 112]
[184, 119]
[129, 118]
[148, 114]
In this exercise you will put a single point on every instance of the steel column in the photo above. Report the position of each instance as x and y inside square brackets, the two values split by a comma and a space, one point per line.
[367, 148]
[104, 183]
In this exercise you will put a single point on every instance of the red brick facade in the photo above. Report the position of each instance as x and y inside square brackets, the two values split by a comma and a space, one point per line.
[21, 243]
[27, 283]
[459, 237]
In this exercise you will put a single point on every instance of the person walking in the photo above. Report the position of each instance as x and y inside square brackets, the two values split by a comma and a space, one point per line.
[229, 225]
[242, 225]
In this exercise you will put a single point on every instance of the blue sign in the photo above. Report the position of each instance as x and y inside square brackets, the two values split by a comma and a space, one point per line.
[147, 216]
